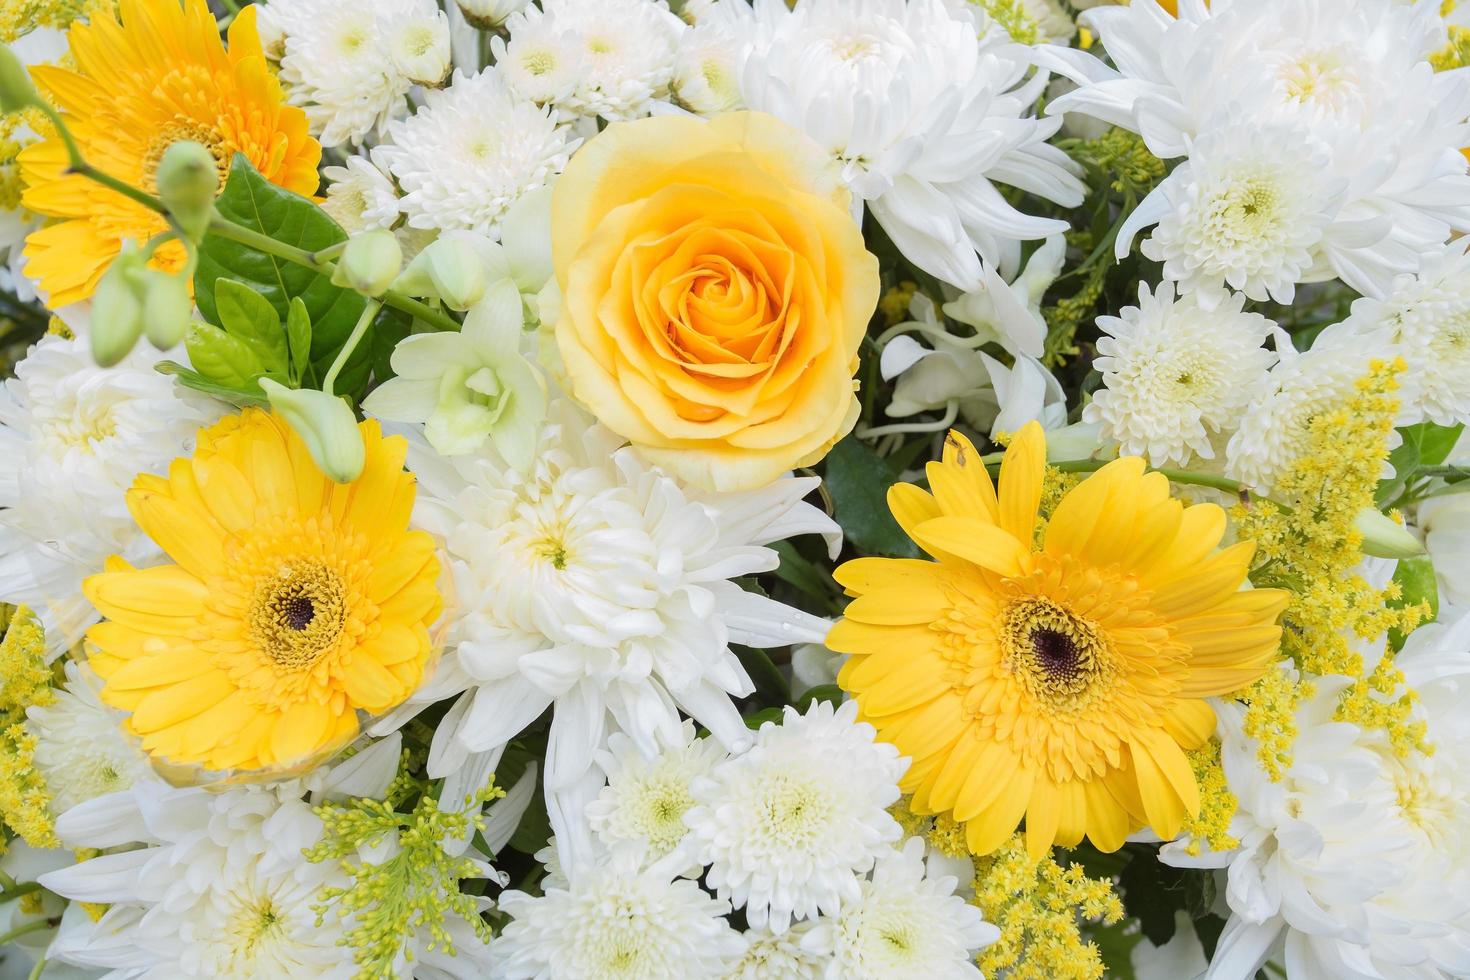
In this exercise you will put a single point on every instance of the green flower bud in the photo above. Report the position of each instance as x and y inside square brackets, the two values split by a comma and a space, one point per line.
[369, 263]
[1383, 537]
[451, 268]
[188, 180]
[167, 307]
[326, 424]
[117, 309]
[16, 90]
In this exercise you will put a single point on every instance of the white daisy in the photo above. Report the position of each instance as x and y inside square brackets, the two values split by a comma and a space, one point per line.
[82, 751]
[773, 956]
[788, 826]
[1248, 209]
[904, 924]
[470, 153]
[1357, 863]
[351, 68]
[617, 921]
[1175, 376]
[73, 437]
[1337, 72]
[218, 889]
[360, 197]
[1427, 318]
[596, 585]
[617, 54]
[922, 120]
[645, 799]
[1271, 434]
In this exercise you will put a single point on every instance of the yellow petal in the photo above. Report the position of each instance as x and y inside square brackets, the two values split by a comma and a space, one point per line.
[980, 544]
[1021, 473]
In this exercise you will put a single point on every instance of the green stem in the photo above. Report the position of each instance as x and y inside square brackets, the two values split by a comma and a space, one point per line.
[369, 313]
[14, 891]
[1188, 477]
[79, 165]
[37, 970]
[25, 930]
[225, 228]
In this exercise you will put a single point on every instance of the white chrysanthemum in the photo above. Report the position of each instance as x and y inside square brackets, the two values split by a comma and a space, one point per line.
[1052, 23]
[1272, 432]
[220, 888]
[470, 153]
[906, 923]
[1358, 861]
[644, 801]
[706, 70]
[599, 586]
[1337, 72]
[360, 197]
[789, 825]
[73, 437]
[82, 751]
[351, 67]
[773, 956]
[593, 58]
[1247, 211]
[1427, 318]
[923, 121]
[1175, 376]
[617, 921]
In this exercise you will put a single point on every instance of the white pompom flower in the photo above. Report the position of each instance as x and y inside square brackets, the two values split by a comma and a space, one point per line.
[778, 956]
[82, 751]
[789, 825]
[1248, 210]
[73, 437]
[642, 806]
[470, 153]
[906, 923]
[360, 197]
[616, 920]
[1177, 377]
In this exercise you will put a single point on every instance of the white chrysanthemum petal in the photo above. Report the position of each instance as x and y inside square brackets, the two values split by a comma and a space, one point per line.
[769, 956]
[645, 799]
[787, 826]
[904, 923]
[82, 751]
[617, 921]
[472, 152]
[73, 437]
[923, 121]
[1177, 377]
[360, 197]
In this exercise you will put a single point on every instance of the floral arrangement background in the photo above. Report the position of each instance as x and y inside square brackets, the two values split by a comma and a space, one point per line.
[734, 489]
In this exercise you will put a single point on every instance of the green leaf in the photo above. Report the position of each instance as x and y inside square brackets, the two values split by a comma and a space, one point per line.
[249, 318]
[251, 200]
[221, 358]
[1415, 577]
[830, 693]
[193, 379]
[858, 480]
[804, 576]
[1154, 891]
[298, 339]
[1434, 441]
[1115, 945]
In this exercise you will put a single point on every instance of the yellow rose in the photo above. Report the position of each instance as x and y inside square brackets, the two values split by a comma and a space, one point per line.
[715, 291]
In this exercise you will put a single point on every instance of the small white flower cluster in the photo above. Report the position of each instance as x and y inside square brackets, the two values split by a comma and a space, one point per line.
[793, 831]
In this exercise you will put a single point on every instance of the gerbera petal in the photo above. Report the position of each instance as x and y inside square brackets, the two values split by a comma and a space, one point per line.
[1021, 473]
[981, 544]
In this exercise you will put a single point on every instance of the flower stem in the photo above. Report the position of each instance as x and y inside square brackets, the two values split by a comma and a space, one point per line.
[369, 313]
[37, 970]
[316, 261]
[25, 930]
[15, 891]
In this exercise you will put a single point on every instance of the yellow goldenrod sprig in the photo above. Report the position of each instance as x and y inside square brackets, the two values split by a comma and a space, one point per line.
[417, 887]
[25, 680]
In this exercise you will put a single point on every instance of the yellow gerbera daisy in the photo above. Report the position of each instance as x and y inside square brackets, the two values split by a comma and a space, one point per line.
[158, 75]
[295, 601]
[1058, 681]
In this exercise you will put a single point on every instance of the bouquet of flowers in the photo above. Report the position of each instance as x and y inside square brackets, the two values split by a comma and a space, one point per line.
[638, 489]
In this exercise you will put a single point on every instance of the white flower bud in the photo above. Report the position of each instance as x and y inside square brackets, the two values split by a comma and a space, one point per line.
[369, 263]
[327, 426]
[117, 310]
[167, 307]
[1383, 537]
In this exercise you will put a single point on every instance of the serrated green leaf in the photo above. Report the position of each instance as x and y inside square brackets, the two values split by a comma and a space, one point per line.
[858, 480]
[298, 339]
[251, 200]
[221, 358]
[250, 318]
